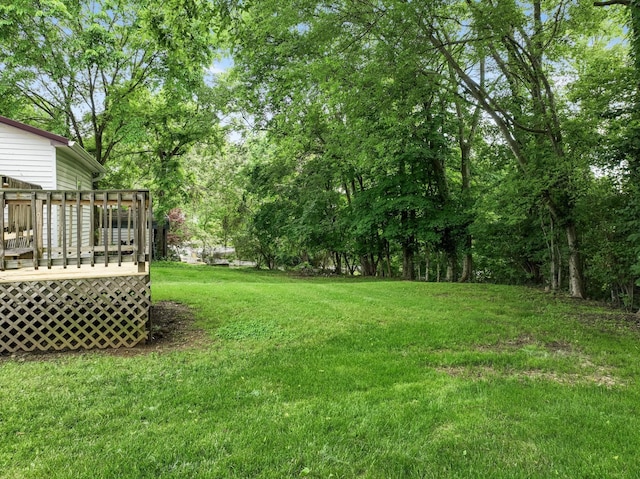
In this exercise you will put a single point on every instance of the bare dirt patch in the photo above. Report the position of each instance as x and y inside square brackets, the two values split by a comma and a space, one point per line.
[587, 373]
[611, 321]
[557, 348]
[601, 377]
[172, 328]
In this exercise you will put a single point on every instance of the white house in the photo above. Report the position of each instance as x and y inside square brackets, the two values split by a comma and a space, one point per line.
[32, 158]
[45, 159]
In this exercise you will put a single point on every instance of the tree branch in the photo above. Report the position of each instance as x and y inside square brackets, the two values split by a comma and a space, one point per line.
[606, 3]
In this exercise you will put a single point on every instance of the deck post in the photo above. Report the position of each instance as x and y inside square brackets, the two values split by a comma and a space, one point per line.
[136, 223]
[105, 230]
[149, 229]
[49, 231]
[140, 223]
[78, 229]
[63, 222]
[34, 230]
[1, 231]
[39, 226]
[92, 227]
[119, 222]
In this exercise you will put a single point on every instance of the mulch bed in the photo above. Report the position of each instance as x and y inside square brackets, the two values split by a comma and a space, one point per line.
[173, 328]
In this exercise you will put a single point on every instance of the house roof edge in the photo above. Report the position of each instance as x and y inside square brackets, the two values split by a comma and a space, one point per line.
[75, 150]
[34, 130]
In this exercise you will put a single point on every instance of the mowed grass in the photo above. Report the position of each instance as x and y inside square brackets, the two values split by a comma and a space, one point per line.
[339, 378]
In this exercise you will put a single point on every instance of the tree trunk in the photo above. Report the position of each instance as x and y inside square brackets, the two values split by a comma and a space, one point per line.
[388, 256]
[553, 259]
[553, 286]
[351, 268]
[576, 282]
[451, 256]
[374, 264]
[427, 266]
[451, 268]
[369, 264]
[555, 266]
[408, 271]
[559, 267]
[365, 264]
[338, 262]
[467, 261]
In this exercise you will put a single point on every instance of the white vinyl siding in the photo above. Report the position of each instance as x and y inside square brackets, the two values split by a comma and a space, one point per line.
[27, 157]
[32, 158]
[70, 177]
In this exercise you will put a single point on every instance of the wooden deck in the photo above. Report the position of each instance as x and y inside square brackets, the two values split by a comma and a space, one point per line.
[74, 269]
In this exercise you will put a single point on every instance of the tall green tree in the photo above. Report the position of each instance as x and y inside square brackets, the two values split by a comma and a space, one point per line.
[526, 43]
[370, 86]
[355, 97]
[81, 66]
[169, 124]
[627, 148]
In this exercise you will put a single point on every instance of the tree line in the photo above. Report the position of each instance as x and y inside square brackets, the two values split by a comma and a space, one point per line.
[457, 140]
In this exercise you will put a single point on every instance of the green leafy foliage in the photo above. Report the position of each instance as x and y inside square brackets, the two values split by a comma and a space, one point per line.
[382, 138]
[361, 152]
[121, 78]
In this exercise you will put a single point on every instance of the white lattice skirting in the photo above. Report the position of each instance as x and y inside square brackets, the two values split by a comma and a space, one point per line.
[108, 312]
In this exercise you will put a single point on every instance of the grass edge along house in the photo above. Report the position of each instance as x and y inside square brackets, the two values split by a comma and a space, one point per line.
[74, 260]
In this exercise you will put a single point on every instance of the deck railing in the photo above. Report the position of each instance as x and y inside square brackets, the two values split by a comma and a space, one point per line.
[42, 228]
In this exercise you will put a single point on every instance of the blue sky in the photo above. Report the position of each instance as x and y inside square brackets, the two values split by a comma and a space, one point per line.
[221, 65]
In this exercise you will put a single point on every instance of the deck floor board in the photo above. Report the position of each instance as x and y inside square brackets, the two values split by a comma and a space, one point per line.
[70, 272]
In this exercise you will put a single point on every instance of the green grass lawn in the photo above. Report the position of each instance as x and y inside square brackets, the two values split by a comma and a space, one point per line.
[339, 378]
